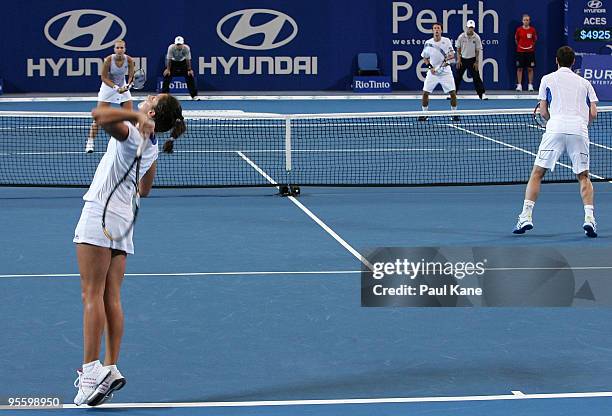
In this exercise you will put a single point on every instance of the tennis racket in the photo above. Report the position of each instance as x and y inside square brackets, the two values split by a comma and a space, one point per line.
[138, 82]
[440, 67]
[537, 116]
[135, 195]
[449, 58]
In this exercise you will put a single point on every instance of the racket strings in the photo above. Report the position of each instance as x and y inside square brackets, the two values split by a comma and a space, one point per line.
[537, 116]
[139, 79]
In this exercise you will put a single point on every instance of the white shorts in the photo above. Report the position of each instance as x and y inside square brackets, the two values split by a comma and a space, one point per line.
[109, 95]
[446, 80]
[89, 229]
[554, 144]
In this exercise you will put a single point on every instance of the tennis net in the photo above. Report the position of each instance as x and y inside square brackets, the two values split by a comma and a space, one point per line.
[223, 149]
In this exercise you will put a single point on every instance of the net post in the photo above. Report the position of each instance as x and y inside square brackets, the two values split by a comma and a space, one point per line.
[288, 145]
[288, 189]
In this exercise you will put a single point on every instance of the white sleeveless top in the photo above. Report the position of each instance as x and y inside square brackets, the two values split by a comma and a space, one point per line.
[118, 73]
[115, 162]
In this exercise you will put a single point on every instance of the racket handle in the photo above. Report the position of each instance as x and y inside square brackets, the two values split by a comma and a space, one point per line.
[141, 147]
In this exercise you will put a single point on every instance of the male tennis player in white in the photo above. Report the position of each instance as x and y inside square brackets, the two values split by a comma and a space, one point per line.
[569, 103]
[101, 260]
[114, 88]
[437, 53]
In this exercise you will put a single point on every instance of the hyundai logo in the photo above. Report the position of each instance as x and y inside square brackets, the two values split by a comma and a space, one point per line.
[270, 35]
[594, 4]
[71, 30]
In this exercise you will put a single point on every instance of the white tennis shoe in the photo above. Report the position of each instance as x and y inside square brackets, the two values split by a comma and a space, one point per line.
[89, 146]
[590, 227]
[104, 392]
[523, 224]
[88, 381]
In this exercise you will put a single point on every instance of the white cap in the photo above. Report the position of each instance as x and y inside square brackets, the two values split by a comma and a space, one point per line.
[470, 23]
[179, 40]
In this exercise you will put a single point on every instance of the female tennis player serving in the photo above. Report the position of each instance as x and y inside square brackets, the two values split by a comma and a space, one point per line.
[102, 260]
[114, 88]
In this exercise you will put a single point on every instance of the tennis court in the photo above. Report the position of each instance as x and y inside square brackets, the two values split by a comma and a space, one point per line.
[242, 302]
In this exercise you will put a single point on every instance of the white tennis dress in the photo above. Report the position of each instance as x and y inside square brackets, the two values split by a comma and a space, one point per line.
[568, 96]
[117, 74]
[115, 162]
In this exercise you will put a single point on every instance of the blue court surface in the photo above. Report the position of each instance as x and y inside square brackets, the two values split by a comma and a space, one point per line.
[242, 302]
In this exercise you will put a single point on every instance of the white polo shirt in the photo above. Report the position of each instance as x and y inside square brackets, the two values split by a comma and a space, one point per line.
[176, 54]
[568, 96]
[470, 45]
[436, 52]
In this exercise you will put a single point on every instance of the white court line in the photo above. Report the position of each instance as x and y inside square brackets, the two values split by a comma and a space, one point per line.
[520, 149]
[308, 212]
[548, 268]
[254, 97]
[273, 151]
[600, 145]
[257, 168]
[273, 273]
[590, 142]
[357, 150]
[276, 151]
[22, 128]
[194, 274]
[44, 153]
[332, 233]
[516, 395]
[300, 123]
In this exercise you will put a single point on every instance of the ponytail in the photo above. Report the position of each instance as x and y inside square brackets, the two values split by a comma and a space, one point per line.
[169, 116]
[178, 129]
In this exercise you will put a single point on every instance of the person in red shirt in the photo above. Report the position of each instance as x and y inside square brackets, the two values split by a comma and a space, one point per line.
[525, 38]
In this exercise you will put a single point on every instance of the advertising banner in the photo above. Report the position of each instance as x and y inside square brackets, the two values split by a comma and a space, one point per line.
[588, 27]
[178, 85]
[263, 45]
[371, 84]
[598, 70]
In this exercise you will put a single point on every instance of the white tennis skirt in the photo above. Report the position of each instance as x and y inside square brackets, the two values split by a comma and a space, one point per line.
[89, 229]
[109, 95]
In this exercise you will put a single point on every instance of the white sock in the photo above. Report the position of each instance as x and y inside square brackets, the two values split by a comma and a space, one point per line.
[589, 211]
[425, 108]
[453, 108]
[90, 366]
[527, 209]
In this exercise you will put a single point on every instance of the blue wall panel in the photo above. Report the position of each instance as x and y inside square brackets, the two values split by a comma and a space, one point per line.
[311, 45]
